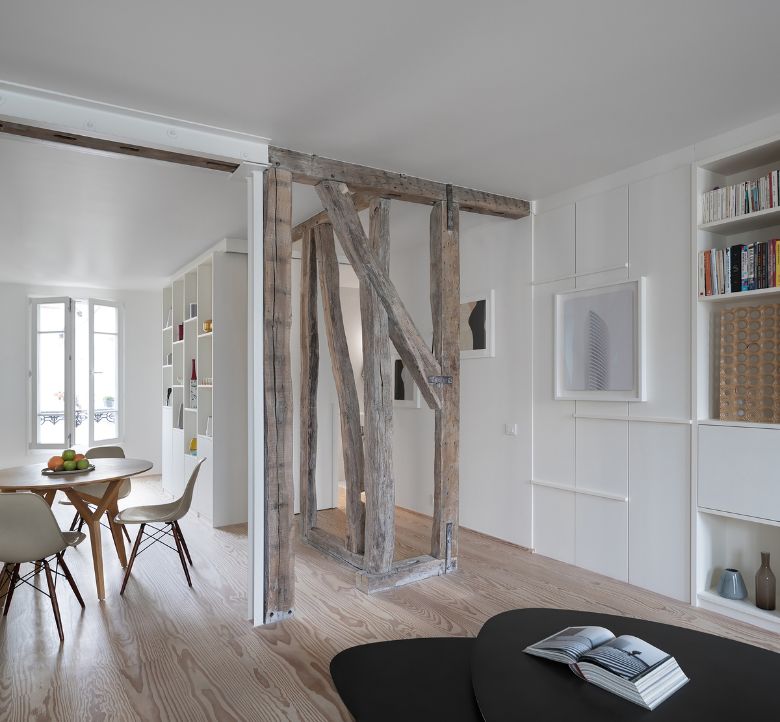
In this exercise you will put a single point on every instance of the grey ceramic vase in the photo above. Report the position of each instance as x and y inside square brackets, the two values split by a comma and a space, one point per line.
[731, 585]
[765, 585]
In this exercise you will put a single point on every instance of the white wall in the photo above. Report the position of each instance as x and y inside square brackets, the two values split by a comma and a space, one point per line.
[495, 494]
[642, 221]
[142, 388]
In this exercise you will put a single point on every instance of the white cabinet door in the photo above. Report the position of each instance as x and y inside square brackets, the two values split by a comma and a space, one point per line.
[659, 509]
[738, 470]
[167, 449]
[602, 536]
[554, 523]
[177, 463]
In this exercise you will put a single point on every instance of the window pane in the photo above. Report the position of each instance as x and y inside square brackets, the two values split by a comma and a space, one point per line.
[51, 388]
[51, 317]
[81, 371]
[106, 385]
[105, 319]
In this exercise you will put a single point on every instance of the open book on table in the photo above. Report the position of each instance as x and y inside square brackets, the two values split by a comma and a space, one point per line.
[625, 665]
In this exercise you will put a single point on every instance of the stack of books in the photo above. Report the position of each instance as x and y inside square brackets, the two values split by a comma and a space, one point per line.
[741, 198]
[744, 267]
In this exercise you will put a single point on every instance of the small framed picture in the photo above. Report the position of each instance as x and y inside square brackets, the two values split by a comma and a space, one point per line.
[477, 325]
[405, 391]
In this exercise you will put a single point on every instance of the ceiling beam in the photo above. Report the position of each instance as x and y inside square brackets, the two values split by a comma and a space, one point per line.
[111, 146]
[311, 169]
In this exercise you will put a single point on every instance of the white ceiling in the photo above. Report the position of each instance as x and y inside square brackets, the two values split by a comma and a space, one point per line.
[521, 98]
[71, 218]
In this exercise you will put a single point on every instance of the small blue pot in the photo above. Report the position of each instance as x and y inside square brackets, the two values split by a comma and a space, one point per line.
[732, 585]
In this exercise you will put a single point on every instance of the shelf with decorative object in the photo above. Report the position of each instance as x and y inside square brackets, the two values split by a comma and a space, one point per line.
[213, 288]
[736, 500]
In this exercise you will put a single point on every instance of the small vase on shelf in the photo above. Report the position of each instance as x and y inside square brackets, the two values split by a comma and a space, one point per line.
[193, 387]
[765, 585]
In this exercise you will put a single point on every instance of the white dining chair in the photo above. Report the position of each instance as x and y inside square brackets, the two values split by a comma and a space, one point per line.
[168, 516]
[29, 533]
[97, 490]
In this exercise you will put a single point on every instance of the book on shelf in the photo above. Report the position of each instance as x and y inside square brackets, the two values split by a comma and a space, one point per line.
[743, 267]
[741, 198]
[626, 666]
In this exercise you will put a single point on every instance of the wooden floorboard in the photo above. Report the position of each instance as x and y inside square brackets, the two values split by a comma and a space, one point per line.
[167, 652]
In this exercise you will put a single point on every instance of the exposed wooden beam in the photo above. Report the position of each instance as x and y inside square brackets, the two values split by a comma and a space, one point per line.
[361, 201]
[343, 374]
[278, 407]
[445, 310]
[378, 404]
[332, 545]
[414, 352]
[311, 169]
[110, 146]
[401, 573]
[310, 362]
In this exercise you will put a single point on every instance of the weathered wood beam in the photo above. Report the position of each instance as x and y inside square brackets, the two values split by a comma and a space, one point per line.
[413, 351]
[332, 545]
[278, 406]
[112, 146]
[311, 169]
[401, 573]
[349, 406]
[445, 310]
[361, 201]
[310, 363]
[378, 404]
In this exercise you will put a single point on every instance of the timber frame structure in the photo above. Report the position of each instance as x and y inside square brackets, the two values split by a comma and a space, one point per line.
[345, 189]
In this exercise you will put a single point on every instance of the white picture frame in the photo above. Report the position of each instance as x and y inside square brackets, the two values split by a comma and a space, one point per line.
[412, 394]
[471, 336]
[599, 343]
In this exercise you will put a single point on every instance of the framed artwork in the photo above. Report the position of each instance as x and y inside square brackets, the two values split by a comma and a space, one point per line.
[477, 325]
[405, 391]
[600, 343]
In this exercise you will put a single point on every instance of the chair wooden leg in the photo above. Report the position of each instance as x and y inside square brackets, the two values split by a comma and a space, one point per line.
[14, 580]
[75, 521]
[181, 554]
[132, 558]
[81, 523]
[126, 533]
[53, 597]
[69, 577]
[177, 528]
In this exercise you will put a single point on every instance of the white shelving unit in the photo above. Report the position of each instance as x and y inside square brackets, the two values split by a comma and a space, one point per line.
[736, 495]
[214, 288]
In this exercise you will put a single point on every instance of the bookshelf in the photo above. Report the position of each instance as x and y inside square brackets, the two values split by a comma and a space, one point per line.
[736, 500]
[204, 319]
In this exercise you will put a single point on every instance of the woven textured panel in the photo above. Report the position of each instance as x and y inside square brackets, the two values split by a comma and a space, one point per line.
[749, 384]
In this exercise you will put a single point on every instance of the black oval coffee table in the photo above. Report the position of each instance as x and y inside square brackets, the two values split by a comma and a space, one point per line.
[729, 681]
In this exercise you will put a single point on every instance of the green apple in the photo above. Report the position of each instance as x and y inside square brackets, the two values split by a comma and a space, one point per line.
[68, 455]
[82, 464]
[70, 465]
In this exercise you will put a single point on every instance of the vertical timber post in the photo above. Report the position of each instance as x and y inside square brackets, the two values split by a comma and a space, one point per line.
[445, 309]
[344, 376]
[278, 402]
[310, 361]
[378, 404]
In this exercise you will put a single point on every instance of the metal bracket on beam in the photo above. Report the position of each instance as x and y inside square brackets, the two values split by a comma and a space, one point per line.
[440, 380]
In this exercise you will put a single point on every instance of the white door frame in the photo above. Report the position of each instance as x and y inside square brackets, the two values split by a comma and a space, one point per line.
[56, 111]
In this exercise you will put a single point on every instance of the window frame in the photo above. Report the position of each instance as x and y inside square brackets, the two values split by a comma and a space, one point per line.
[118, 401]
[69, 405]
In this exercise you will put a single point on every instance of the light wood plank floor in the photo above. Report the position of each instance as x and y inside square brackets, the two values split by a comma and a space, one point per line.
[165, 652]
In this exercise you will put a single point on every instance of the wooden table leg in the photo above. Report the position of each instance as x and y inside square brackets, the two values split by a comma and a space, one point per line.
[92, 520]
[116, 532]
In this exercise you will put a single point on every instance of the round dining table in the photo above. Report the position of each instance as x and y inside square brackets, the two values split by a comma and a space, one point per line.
[109, 471]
